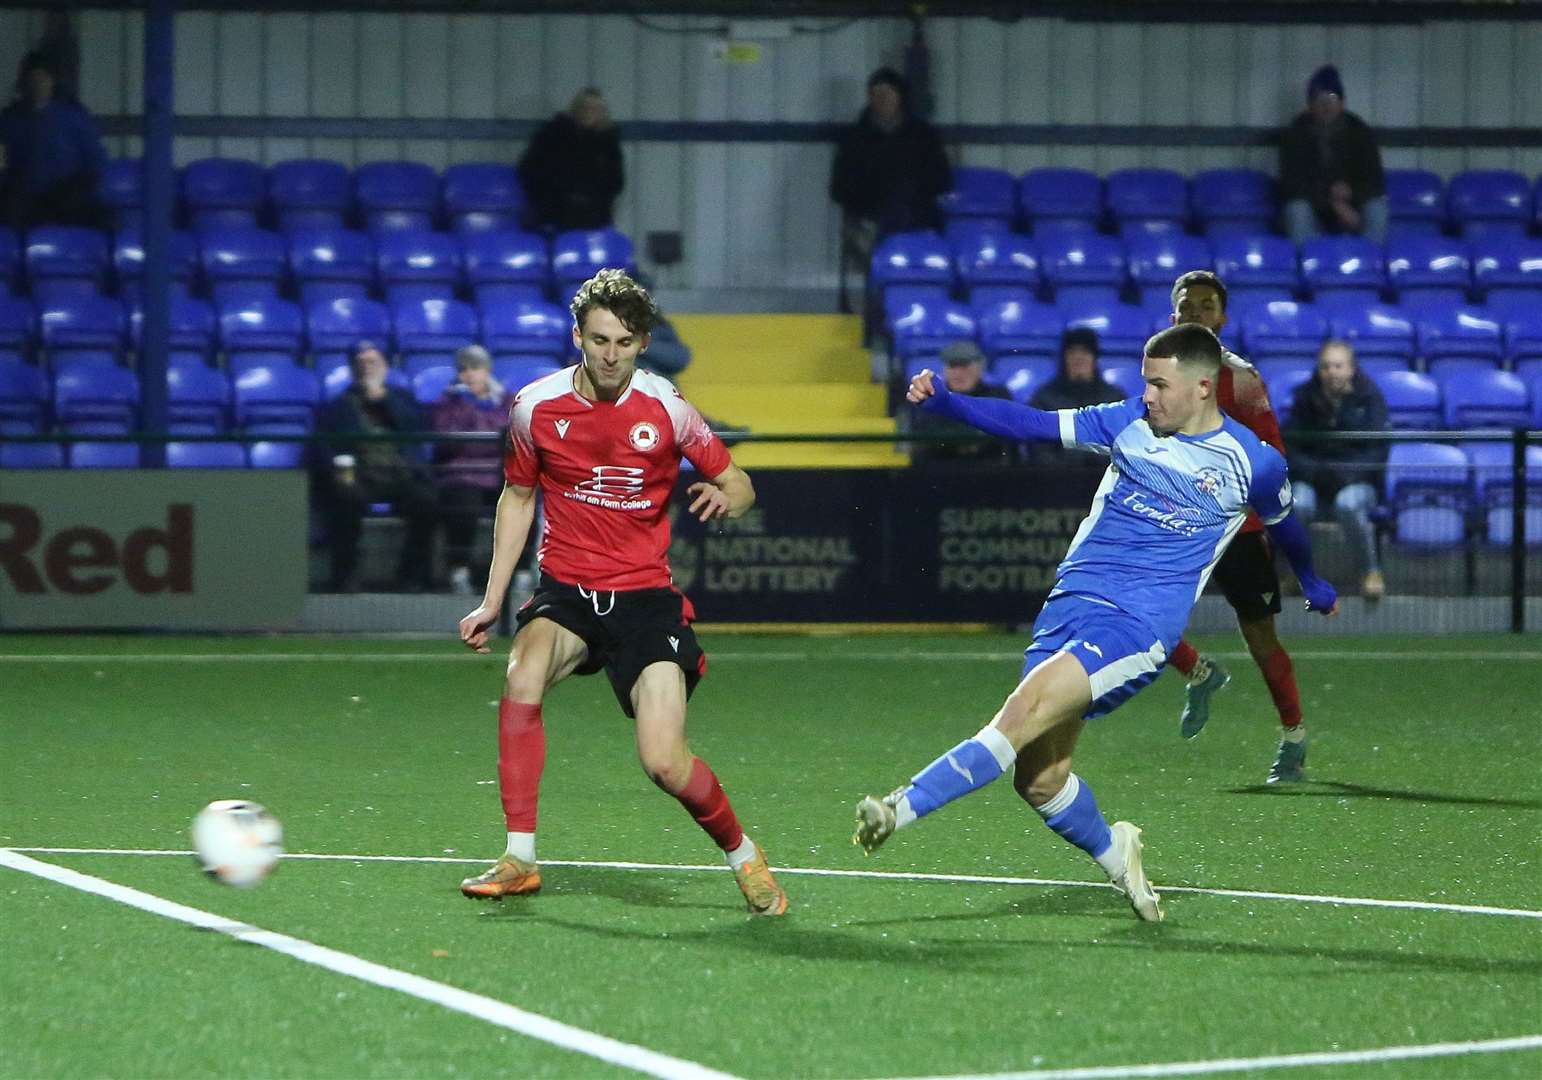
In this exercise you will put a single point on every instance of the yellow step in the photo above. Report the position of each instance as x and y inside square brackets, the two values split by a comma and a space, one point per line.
[751, 403]
[756, 348]
[753, 456]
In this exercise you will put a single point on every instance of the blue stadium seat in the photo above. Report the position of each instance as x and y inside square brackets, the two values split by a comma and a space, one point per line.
[1283, 329]
[261, 332]
[979, 192]
[205, 455]
[265, 454]
[898, 299]
[1429, 488]
[1023, 375]
[10, 259]
[527, 327]
[1413, 400]
[1236, 201]
[1507, 268]
[996, 258]
[429, 384]
[1020, 328]
[1377, 366]
[1157, 260]
[222, 193]
[506, 265]
[96, 394]
[913, 258]
[1494, 485]
[121, 187]
[517, 370]
[1122, 329]
[281, 394]
[1436, 268]
[31, 456]
[1523, 336]
[429, 332]
[23, 398]
[397, 195]
[191, 331]
[483, 197]
[1375, 330]
[417, 266]
[926, 328]
[81, 329]
[309, 194]
[128, 258]
[1281, 386]
[18, 329]
[103, 455]
[1339, 264]
[197, 400]
[1536, 401]
[1147, 200]
[1060, 196]
[1256, 262]
[1083, 268]
[578, 255]
[1486, 399]
[334, 326]
[66, 260]
[1489, 202]
[1416, 201]
[1447, 332]
[331, 263]
[242, 263]
[1124, 376]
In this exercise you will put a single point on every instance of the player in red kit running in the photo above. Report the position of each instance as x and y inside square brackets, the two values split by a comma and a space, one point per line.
[1246, 573]
[603, 441]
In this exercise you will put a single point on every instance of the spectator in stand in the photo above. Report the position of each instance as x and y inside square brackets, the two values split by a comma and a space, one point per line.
[1340, 397]
[889, 169]
[353, 477]
[1330, 167]
[963, 369]
[470, 474]
[572, 171]
[51, 153]
[1080, 382]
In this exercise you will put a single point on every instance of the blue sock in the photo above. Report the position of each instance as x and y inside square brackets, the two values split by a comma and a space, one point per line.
[967, 767]
[1074, 815]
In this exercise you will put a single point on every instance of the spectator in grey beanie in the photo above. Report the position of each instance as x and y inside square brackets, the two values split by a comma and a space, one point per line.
[1330, 167]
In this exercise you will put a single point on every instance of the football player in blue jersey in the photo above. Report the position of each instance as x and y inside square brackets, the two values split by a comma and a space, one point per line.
[1180, 480]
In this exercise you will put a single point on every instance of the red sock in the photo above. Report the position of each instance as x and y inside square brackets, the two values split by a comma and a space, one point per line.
[703, 797]
[1280, 677]
[521, 756]
[1184, 657]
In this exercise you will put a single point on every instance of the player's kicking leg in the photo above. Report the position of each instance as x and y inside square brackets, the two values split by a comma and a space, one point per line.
[658, 700]
[543, 655]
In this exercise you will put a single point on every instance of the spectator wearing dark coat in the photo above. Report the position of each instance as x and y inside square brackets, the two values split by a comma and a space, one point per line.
[572, 170]
[51, 153]
[1330, 167]
[1078, 383]
[1340, 397]
[963, 369]
[470, 473]
[354, 476]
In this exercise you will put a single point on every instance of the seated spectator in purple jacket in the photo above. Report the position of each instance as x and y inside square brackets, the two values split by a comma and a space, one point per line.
[470, 473]
[51, 153]
[1078, 383]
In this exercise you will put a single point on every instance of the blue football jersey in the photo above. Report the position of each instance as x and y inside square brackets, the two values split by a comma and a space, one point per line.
[1165, 510]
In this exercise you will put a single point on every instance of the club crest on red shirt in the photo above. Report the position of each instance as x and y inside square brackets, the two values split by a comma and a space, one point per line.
[643, 436]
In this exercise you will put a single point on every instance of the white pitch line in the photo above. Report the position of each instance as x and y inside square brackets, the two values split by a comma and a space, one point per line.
[627, 1055]
[885, 875]
[1278, 1061]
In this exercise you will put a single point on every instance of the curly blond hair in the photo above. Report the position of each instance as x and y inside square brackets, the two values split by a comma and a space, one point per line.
[618, 294]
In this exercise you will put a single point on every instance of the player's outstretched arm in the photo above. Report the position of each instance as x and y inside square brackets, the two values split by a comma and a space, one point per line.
[511, 526]
[728, 494]
[994, 416]
[1291, 537]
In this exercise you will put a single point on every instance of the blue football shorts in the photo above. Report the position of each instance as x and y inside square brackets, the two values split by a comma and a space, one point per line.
[1120, 653]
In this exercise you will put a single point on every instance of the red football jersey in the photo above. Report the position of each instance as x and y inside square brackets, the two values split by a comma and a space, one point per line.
[1249, 406]
[606, 472]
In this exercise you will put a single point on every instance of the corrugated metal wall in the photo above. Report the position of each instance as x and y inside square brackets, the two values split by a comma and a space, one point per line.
[756, 214]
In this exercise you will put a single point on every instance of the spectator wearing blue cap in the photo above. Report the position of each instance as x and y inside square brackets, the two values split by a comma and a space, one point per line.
[1330, 167]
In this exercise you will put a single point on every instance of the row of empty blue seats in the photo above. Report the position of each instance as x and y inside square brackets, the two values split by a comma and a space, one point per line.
[385, 195]
[235, 262]
[1219, 200]
[1440, 496]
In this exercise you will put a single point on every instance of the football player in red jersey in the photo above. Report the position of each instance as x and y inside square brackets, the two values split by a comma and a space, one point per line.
[1246, 573]
[602, 442]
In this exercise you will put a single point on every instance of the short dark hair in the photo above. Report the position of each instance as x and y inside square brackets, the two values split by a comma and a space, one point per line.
[618, 294]
[1191, 343]
[1198, 277]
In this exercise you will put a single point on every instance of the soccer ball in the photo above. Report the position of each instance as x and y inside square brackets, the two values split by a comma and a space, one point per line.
[238, 842]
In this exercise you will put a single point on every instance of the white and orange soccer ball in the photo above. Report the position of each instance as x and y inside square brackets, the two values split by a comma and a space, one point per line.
[238, 842]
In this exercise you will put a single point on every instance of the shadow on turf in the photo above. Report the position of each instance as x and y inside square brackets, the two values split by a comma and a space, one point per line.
[1340, 789]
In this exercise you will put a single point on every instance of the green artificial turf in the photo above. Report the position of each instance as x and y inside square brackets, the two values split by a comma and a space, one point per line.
[1423, 786]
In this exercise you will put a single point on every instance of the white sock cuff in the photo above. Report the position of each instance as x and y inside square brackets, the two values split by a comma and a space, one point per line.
[741, 854]
[1063, 798]
[522, 846]
[998, 745]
